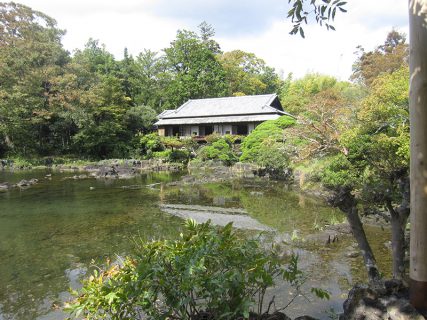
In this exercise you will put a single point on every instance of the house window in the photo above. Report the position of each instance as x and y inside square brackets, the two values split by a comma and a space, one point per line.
[175, 131]
[208, 130]
[242, 129]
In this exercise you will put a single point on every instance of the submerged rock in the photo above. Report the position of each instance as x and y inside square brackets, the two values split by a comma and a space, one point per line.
[5, 186]
[219, 216]
[352, 254]
[27, 183]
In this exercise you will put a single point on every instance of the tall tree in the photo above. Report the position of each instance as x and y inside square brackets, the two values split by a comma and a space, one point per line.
[247, 74]
[384, 59]
[102, 104]
[193, 69]
[418, 112]
[151, 80]
[31, 57]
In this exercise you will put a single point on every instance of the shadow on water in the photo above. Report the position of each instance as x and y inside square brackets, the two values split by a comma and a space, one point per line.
[50, 233]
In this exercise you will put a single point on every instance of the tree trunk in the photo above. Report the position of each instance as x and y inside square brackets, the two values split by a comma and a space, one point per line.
[399, 218]
[398, 224]
[360, 236]
[418, 167]
[346, 202]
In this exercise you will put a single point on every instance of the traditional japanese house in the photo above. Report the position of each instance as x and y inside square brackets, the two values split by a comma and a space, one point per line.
[230, 115]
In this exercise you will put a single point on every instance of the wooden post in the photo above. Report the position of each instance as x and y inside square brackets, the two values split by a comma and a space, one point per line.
[418, 167]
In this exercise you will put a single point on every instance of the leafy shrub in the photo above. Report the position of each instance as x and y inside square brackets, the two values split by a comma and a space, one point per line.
[208, 271]
[232, 138]
[219, 150]
[229, 138]
[211, 138]
[165, 154]
[339, 173]
[272, 155]
[254, 145]
[172, 142]
[149, 143]
[284, 122]
[179, 156]
[182, 156]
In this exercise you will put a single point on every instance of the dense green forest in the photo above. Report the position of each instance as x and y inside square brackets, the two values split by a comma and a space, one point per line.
[88, 103]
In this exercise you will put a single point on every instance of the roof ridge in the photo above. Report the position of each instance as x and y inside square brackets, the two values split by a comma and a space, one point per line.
[237, 97]
[182, 106]
[224, 105]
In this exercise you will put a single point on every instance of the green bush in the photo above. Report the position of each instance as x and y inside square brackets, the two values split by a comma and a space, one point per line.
[211, 138]
[339, 173]
[182, 156]
[232, 138]
[164, 155]
[209, 272]
[219, 150]
[272, 155]
[149, 143]
[172, 142]
[254, 145]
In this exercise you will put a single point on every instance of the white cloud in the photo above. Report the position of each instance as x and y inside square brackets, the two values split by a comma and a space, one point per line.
[136, 25]
[330, 52]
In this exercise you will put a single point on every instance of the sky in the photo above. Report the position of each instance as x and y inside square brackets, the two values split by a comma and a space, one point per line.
[257, 26]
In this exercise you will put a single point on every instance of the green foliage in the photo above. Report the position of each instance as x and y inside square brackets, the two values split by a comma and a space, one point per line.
[211, 138]
[233, 138]
[297, 94]
[340, 173]
[182, 156]
[377, 148]
[272, 155]
[323, 11]
[194, 70]
[211, 271]
[150, 143]
[172, 142]
[140, 118]
[218, 150]
[385, 59]
[265, 144]
[247, 74]
[90, 104]
[176, 156]
[31, 60]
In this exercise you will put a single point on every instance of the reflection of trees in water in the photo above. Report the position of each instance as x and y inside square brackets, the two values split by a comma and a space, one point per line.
[46, 238]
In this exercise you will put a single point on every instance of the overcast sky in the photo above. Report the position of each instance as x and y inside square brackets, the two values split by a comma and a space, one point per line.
[257, 26]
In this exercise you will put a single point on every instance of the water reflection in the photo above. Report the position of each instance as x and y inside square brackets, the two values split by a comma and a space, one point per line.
[50, 232]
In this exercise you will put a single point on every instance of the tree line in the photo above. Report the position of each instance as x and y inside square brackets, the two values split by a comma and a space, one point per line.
[92, 105]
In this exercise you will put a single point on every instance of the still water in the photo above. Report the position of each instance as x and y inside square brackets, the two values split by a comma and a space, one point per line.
[53, 232]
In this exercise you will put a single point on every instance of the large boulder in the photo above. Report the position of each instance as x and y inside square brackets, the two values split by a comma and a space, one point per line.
[387, 300]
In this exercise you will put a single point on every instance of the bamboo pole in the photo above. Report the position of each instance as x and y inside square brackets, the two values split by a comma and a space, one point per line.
[418, 166]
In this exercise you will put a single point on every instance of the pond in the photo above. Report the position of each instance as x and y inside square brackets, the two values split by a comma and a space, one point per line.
[53, 232]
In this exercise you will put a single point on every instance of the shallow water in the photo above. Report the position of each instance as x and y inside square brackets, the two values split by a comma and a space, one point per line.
[51, 232]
